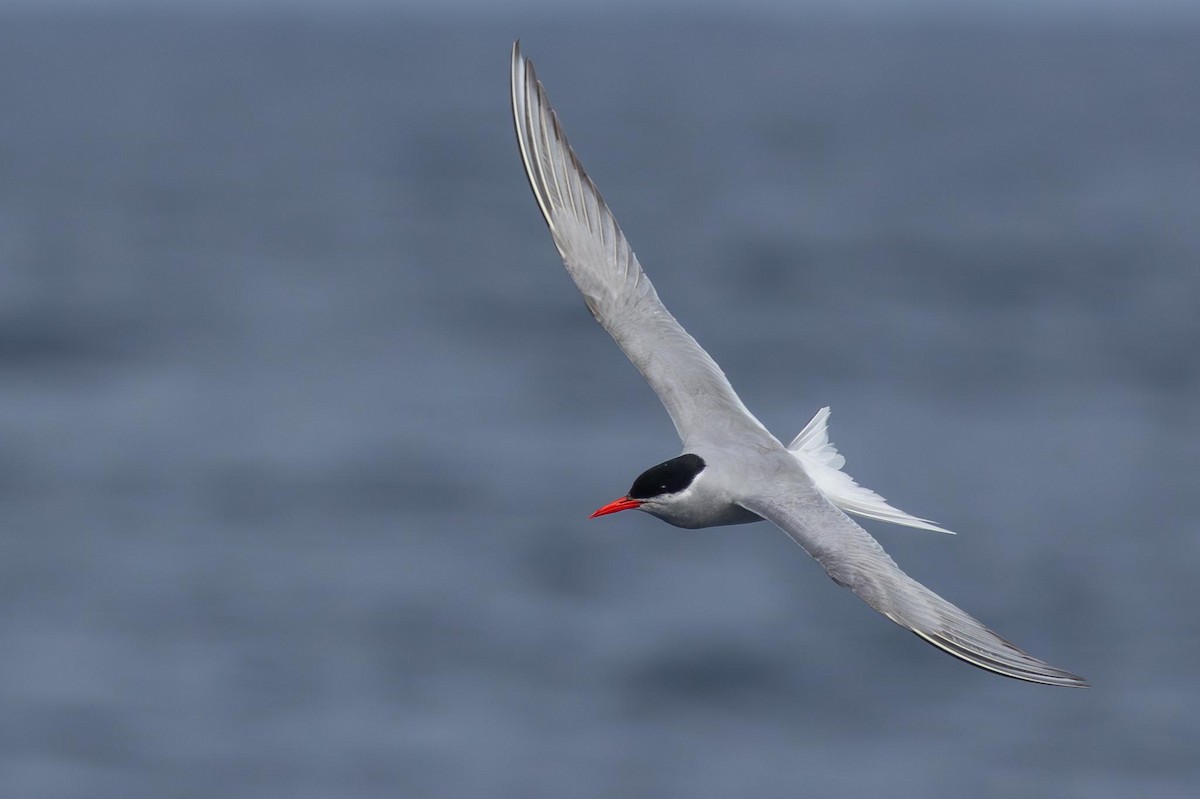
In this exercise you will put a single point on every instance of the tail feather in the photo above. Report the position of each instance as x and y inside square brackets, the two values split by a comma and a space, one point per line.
[823, 463]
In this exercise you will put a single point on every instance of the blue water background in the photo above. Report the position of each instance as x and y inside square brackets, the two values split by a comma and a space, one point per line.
[301, 419]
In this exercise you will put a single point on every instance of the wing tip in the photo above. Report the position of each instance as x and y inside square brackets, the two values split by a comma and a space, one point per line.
[518, 57]
[1023, 666]
[529, 106]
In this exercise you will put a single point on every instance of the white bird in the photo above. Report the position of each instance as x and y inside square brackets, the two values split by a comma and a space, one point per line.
[731, 470]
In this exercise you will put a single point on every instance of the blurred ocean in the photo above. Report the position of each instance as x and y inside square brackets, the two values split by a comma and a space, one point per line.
[301, 418]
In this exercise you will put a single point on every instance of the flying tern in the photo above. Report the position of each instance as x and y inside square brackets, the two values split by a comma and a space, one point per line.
[731, 470]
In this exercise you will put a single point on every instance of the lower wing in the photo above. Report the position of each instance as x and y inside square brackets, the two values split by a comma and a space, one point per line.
[856, 560]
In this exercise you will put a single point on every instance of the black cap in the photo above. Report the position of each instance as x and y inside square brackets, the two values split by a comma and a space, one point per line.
[669, 477]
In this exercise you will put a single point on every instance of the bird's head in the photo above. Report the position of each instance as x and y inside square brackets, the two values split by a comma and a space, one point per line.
[659, 489]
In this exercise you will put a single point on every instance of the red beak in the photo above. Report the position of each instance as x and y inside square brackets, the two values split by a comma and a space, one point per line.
[624, 503]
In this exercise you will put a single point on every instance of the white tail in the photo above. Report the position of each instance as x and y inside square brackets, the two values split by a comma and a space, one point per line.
[821, 460]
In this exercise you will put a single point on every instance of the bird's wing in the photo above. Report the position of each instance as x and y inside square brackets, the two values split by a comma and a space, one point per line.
[856, 560]
[695, 391]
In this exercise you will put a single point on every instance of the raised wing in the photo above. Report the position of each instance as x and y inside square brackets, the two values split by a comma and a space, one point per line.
[693, 388]
[856, 560]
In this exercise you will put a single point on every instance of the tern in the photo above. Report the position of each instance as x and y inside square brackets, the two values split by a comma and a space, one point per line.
[732, 470]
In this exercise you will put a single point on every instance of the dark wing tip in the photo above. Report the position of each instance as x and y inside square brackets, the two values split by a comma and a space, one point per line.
[1014, 662]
